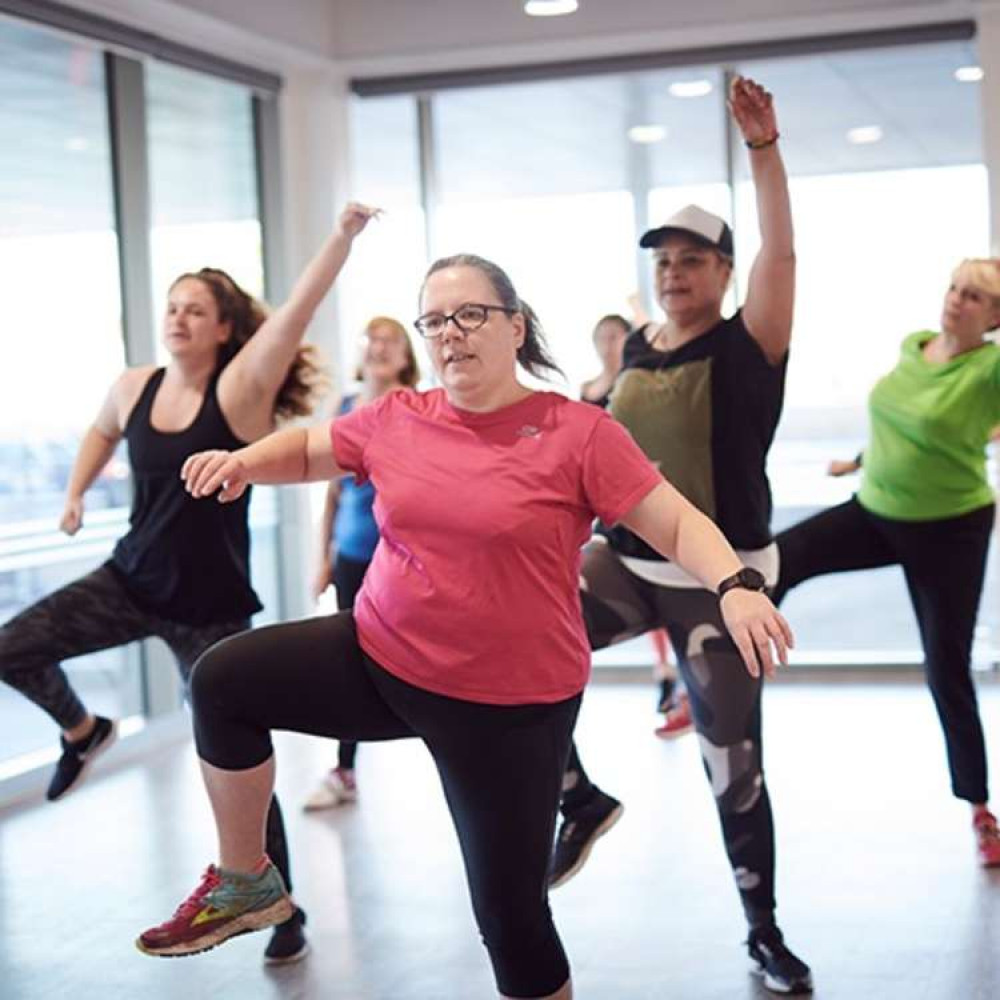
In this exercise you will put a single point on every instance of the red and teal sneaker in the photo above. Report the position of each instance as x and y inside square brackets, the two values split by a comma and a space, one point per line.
[224, 904]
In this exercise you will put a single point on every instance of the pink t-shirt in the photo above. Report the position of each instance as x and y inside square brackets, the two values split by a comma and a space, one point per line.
[473, 589]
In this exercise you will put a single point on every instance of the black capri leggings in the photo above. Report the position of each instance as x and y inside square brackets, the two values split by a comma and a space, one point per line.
[944, 562]
[501, 766]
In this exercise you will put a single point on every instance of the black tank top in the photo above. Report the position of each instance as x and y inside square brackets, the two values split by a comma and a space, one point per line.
[186, 560]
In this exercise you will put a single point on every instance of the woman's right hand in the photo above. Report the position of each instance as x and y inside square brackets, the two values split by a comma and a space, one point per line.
[752, 108]
[208, 471]
[840, 467]
[355, 217]
[72, 516]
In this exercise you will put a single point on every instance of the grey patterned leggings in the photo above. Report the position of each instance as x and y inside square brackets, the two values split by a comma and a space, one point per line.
[94, 613]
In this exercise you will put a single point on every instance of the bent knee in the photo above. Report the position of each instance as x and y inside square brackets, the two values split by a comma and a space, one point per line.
[214, 674]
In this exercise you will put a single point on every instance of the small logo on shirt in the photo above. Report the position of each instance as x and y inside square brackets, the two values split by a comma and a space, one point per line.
[529, 431]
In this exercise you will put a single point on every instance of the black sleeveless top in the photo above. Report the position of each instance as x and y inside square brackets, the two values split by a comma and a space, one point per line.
[184, 559]
[706, 414]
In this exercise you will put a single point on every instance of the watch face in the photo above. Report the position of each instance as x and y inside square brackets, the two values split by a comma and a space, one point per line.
[752, 579]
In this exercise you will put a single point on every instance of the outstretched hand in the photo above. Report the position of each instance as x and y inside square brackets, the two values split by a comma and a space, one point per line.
[208, 471]
[758, 629]
[841, 467]
[72, 517]
[355, 217]
[752, 108]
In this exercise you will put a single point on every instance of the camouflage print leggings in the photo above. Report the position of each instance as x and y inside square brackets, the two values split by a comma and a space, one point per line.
[91, 614]
[725, 704]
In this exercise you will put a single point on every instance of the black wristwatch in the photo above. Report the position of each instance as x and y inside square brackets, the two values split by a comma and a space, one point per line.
[747, 579]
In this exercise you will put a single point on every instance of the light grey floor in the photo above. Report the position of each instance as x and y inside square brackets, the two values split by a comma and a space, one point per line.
[878, 882]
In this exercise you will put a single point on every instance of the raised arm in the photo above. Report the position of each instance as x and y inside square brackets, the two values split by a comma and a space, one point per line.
[681, 533]
[297, 455]
[262, 364]
[770, 298]
[96, 449]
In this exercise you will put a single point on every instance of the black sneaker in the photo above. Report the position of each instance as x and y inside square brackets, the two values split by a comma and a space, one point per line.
[782, 971]
[78, 756]
[288, 941]
[665, 699]
[578, 833]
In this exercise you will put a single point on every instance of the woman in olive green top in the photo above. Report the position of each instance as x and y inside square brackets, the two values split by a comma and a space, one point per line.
[926, 505]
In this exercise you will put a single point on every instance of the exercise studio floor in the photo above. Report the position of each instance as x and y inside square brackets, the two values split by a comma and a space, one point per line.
[877, 881]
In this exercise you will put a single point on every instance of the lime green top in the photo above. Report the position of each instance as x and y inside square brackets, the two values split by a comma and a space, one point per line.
[930, 422]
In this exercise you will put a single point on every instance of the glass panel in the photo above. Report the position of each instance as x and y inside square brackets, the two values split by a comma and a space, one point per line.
[63, 348]
[546, 197]
[389, 260]
[202, 128]
[879, 226]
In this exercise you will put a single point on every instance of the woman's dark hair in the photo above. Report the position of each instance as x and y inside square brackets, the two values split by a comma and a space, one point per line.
[533, 355]
[307, 377]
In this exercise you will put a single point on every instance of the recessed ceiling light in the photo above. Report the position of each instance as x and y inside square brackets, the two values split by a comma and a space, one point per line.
[690, 88]
[969, 74]
[646, 135]
[864, 134]
[76, 144]
[549, 8]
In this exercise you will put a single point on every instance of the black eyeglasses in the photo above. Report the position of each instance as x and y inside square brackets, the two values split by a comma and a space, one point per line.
[467, 317]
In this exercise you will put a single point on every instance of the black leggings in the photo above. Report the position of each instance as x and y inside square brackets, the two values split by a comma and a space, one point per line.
[725, 705]
[944, 563]
[500, 766]
[348, 575]
[93, 613]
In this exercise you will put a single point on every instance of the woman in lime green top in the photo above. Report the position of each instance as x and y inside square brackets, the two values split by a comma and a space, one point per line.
[925, 504]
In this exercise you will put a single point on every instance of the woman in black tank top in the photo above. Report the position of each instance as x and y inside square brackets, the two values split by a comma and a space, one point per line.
[182, 572]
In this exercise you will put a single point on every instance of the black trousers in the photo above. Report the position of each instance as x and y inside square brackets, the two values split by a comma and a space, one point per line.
[944, 563]
[501, 766]
[348, 575]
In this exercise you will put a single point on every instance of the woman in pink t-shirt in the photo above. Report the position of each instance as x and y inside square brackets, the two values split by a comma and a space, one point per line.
[467, 632]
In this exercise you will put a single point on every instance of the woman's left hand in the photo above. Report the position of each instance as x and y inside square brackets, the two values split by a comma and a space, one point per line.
[207, 471]
[752, 107]
[757, 628]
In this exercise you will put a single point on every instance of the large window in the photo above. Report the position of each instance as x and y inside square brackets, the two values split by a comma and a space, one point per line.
[555, 182]
[64, 342]
[880, 223]
[62, 346]
[201, 127]
[384, 272]
[545, 194]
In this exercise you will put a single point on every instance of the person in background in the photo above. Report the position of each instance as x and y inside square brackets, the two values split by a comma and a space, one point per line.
[925, 504]
[348, 532]
[609, 338]
[182, 571]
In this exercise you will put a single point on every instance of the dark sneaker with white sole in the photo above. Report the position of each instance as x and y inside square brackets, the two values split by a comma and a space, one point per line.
[288, 941]
[578, 833]
[78, 756]
[781, 970]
